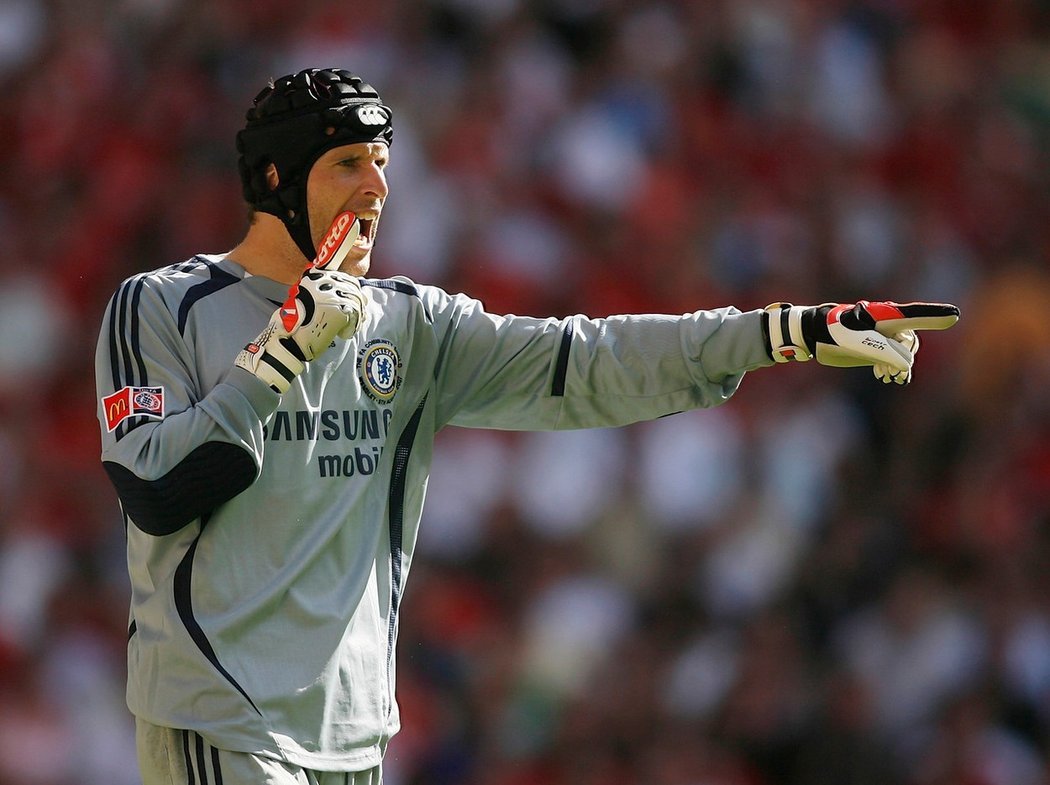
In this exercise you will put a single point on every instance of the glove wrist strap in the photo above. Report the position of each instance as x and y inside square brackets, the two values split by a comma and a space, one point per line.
[782, 328]
[273, 357]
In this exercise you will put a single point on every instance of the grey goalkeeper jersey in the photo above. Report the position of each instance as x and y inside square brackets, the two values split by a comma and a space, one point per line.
[270, 537]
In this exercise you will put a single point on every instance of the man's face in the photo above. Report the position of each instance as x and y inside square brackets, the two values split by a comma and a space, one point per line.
[351, 178]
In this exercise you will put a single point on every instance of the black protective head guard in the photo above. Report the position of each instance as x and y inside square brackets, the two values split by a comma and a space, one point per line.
[292, 122]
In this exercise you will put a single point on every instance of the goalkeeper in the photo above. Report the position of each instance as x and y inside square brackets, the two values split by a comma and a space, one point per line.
[268, 418]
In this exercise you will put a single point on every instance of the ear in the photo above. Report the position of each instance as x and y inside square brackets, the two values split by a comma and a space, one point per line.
[272, 178]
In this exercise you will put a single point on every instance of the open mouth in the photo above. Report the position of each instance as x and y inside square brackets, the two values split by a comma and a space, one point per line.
[368, 226]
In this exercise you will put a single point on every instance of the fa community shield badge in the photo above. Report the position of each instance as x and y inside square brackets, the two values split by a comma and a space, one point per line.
[379, 367]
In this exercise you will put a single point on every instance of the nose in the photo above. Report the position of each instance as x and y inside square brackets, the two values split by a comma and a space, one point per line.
[375, 183]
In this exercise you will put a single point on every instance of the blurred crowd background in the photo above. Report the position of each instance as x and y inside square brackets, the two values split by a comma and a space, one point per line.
[825, 582]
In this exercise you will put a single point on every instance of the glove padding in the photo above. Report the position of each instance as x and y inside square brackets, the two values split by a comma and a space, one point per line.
[886, 373]
[879, 334]
[323, 305]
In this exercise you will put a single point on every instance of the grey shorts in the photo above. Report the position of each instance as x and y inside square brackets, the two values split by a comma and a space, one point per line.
[182, 757]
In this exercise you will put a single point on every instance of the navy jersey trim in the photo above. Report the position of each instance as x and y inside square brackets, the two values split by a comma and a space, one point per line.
[382, 283]
[201, 770]
[561, 367]
[215, 767]
[219, 280]
[202, 752]
[401, 288]
[124, 351]
[398, 480]
[114, 365]
[397, 286]
[190, 779]
[209, 475]
[124, 334]
[184, 606]
[136, 348]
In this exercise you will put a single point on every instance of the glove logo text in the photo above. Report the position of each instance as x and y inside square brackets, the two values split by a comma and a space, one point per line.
[133, 402]
[334, 238]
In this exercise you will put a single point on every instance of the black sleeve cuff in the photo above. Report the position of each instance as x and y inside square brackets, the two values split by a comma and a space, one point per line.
[210, 475]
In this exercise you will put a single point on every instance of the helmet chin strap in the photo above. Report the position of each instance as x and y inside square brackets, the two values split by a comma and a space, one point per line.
[288, 204]
[298, 226]
[304, 248]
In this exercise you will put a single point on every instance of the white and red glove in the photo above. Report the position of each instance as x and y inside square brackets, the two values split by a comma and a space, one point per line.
[323, 304]
[879, 334]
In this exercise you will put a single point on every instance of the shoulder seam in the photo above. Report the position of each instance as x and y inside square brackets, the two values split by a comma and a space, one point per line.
[393, 285]
[218, 279]
[401, 287]
[193, 263]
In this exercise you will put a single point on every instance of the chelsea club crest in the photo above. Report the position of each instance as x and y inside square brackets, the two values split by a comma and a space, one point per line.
[379, 367]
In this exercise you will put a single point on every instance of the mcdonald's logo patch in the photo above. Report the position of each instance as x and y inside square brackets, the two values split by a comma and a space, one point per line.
[133, 402]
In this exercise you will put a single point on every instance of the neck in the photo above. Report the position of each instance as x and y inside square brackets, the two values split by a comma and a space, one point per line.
[268, 250]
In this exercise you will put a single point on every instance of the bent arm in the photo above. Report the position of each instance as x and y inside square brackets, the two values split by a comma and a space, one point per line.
[172, 454]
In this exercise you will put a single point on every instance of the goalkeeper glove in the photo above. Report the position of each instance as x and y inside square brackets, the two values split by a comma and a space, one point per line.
[879, 334]
[324, 304]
